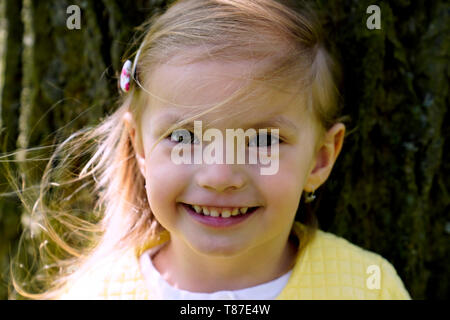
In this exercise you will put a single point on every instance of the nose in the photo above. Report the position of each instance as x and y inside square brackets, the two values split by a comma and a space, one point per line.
[221, 177]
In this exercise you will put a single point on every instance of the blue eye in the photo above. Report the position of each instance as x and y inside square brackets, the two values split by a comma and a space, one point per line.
[183, 136]
[264, 140]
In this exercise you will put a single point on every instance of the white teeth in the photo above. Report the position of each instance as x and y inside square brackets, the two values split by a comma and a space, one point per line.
[226, 214]
[214, 213]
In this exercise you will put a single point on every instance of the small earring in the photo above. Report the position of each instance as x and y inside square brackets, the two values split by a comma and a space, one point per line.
[310, 197]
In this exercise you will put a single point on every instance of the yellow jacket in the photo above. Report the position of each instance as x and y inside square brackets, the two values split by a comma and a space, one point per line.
[329, 267]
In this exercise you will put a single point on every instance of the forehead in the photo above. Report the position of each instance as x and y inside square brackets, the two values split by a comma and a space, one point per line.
[197, 83]
[182, 90]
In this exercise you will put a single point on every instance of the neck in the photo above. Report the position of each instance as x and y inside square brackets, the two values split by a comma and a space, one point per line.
[192, 271]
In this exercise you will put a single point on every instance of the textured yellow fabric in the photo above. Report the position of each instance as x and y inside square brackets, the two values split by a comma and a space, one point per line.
[329, 267]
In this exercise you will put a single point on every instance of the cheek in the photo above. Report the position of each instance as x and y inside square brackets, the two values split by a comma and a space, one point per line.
[284, 189]
[165, 182]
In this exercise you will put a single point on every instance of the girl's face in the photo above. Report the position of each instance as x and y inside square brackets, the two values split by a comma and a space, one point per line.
[171, 186]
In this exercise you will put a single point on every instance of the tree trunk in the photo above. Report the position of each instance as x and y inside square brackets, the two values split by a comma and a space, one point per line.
[11, 35]
[389, 189]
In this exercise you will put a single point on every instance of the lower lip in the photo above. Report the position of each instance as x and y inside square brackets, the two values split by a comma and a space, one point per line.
[217, 222]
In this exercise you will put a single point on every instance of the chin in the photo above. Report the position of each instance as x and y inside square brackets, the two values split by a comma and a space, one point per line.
[219, 249]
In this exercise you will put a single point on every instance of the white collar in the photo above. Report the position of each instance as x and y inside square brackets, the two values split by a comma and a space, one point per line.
[162, 290]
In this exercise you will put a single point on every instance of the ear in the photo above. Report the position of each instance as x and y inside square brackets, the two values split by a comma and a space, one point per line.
[131, 126]
[325, 158]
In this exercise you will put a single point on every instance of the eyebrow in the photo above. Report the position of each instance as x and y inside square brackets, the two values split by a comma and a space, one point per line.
[275, 122]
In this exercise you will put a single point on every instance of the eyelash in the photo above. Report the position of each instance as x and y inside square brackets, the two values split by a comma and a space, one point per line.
[191, 134]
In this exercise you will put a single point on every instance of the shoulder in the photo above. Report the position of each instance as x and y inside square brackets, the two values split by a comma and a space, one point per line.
[331, 267]
[112, 278]
[115, 276]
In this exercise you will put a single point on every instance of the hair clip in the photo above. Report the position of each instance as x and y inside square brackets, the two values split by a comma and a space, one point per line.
[129, 72]
[125, 76]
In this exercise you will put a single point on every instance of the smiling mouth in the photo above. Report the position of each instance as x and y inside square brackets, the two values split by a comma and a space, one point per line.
[218, 212]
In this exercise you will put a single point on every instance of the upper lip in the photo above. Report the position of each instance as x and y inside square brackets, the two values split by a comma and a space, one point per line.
[220, 205]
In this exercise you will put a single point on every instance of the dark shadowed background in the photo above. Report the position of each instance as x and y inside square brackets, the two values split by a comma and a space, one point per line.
[389, 190]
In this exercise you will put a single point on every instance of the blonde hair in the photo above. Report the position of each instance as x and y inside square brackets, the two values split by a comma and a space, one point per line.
[109, 185]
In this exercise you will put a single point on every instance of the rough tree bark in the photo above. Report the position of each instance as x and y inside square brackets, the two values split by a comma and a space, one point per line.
[9, 109]
[389, 189]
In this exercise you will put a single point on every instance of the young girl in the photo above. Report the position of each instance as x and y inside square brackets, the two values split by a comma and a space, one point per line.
[206, 228]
